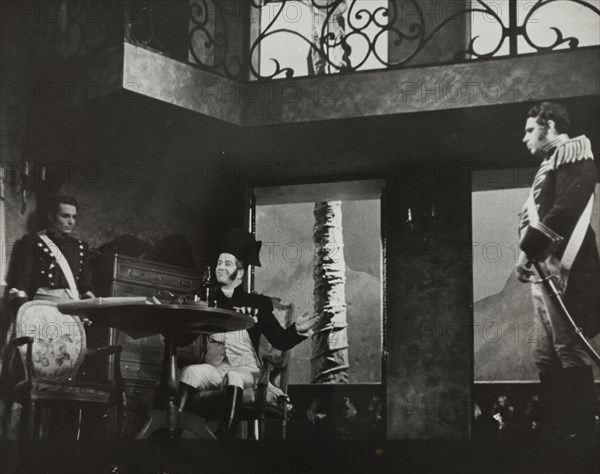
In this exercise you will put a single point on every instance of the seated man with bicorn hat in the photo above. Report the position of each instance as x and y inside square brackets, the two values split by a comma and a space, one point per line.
[231, 361]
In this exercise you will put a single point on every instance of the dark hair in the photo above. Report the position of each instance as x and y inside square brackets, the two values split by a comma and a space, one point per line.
[55, 203]
[239, 265]
[558, 113]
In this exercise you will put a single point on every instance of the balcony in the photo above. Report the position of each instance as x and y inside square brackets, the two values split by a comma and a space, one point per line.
[261, 62]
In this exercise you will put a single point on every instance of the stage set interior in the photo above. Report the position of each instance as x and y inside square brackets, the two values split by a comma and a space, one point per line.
[157, 130]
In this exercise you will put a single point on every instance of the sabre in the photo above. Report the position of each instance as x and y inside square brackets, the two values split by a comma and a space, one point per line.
[547, 280]
[538, 243]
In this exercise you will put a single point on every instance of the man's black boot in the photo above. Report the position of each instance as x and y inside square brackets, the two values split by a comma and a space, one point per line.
[579, 403]
[184, 393]
[232, 401]
[552, 398]
[568, 397]
[575, 450]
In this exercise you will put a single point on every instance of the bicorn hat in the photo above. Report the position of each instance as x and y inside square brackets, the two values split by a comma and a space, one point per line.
[242, 244]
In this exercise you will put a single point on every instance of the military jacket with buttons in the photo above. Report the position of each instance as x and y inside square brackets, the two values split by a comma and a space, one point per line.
[36, 266]
[561, 189]
[266, 322]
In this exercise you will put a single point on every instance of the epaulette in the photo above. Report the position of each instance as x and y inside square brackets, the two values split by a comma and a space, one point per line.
[576, 149]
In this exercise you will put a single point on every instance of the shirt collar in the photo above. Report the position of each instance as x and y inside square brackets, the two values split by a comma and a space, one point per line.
[236, 291]
[552, 145]
[54, 235]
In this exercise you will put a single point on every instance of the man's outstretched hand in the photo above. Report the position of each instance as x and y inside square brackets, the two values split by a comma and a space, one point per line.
[305, 322]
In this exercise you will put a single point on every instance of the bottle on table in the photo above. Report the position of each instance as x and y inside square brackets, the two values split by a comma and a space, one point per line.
[207, 289]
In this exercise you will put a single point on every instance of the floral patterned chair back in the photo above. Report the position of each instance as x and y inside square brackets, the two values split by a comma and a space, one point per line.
[59, 343]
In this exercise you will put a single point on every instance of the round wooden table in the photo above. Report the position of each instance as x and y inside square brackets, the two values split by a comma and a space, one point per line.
[137, 314]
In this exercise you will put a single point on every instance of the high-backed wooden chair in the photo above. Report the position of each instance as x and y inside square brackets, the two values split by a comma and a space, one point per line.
[268, 399]
[52, 347]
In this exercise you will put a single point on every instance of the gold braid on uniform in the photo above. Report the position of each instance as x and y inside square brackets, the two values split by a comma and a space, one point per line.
[572, 151]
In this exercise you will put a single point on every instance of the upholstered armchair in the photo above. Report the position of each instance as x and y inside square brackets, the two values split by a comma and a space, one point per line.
[52, 349]
[268, 399]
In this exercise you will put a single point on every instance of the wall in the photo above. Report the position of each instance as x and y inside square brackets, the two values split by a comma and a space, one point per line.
[429, 316]
[15, 66]
[123, 161]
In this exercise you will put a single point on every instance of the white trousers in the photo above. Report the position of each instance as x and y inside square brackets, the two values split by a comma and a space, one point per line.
[207, 377]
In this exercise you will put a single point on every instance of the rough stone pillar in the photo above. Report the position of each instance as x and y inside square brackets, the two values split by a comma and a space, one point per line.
[329, 362]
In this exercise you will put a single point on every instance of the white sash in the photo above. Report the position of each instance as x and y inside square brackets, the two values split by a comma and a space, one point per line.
[62, 263]
[577, 236]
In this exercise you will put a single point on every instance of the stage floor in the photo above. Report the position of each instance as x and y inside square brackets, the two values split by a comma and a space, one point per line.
[215, 457]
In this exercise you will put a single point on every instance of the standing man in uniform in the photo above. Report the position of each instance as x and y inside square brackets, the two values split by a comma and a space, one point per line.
[555, 231]
[231, 361]
[49, 265]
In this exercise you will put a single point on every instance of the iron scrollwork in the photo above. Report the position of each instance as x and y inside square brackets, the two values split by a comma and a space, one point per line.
[323, 40]
[345, 35]
[414, 36]
[209, 28]
[559, 40]
[195, 32]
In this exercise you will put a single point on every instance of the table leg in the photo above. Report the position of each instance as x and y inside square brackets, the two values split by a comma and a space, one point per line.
[170, 380]
[167, 417]
[195, 424]
[156, 419]
[170, 417]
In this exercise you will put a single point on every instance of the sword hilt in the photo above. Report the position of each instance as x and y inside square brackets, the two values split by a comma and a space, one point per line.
[549, 279]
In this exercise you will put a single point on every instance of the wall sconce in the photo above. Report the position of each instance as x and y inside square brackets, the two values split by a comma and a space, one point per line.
[409, 220]
[423, 220]
[26, 180]
[434, 222]
[427, 219]
[25, 185]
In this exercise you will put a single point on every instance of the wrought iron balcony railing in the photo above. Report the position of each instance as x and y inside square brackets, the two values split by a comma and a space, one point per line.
[271, 39]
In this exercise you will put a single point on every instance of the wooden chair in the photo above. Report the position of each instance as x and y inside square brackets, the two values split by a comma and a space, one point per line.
[52, 348]
[268, 399]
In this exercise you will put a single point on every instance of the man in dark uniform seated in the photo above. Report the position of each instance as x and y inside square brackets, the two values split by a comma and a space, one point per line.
[231, 361]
